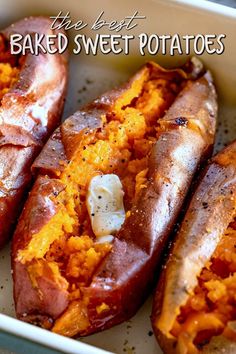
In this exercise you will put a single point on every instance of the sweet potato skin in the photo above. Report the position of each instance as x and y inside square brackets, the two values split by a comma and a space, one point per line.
[195, 243]
[124, 278]
[140, 242]
[29, 112]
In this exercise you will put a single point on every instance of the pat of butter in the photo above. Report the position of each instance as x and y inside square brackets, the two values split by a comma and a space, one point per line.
[105, 204]
[105, 239]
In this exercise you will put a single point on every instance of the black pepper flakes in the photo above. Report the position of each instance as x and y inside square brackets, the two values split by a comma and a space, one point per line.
[181, 121]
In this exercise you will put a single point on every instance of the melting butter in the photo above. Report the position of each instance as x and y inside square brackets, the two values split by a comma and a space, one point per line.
[105, 206]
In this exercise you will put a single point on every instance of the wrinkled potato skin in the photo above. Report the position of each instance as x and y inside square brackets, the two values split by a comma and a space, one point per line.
[29, 112]
[125, 277]
[194, 245]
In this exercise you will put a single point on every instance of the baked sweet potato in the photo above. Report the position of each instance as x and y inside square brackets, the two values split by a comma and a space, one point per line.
[195, 305]
[32, 91]
[75, 271]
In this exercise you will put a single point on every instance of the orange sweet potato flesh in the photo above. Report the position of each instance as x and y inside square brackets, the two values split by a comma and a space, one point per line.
[155, 154]
[9, 68]
[32, 91]
[194, 307]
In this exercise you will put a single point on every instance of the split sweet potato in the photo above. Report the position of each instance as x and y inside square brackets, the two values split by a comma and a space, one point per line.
[152, 134]
[32, 92]
[194, 307]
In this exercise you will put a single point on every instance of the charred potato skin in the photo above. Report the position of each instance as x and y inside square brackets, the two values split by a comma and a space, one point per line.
[29, 112]
[124, 278]
[217, 188]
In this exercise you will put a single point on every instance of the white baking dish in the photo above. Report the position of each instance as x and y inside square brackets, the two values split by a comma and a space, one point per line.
[91, 76]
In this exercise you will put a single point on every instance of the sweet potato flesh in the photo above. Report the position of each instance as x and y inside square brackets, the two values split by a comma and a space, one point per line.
[209, 311]
[121, 147]
[9, 68]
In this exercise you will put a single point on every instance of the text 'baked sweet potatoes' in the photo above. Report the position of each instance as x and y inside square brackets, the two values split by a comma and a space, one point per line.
[32, 91]
[111, 182]
[195, 304]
